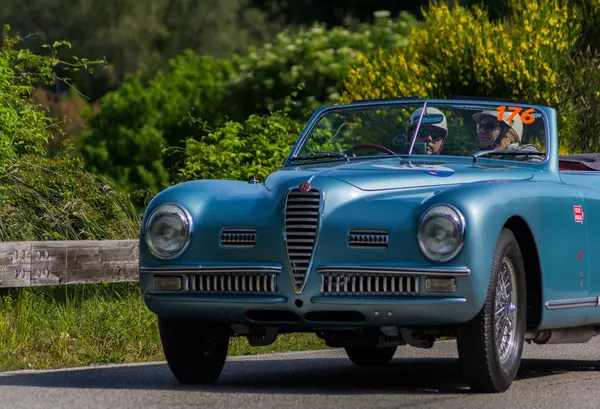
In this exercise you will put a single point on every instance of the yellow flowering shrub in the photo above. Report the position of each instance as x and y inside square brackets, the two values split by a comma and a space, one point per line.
[459, 51]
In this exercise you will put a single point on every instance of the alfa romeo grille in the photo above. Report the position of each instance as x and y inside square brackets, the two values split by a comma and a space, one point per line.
[360, 284]
[368, 238]
[302, 215]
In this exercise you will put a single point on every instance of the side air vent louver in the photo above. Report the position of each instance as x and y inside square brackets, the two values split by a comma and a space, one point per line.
[234, 237]
[301, 220]
[368, 238]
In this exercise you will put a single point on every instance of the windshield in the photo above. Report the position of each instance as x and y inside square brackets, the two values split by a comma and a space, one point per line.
[500, 131]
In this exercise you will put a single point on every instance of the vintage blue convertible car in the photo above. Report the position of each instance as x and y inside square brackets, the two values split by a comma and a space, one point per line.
[392, 222]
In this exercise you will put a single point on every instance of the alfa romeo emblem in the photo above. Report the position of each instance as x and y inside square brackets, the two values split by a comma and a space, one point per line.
[305, 186]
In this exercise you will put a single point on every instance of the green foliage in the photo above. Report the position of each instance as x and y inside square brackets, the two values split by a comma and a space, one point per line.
[239, 151]
[55, 199]
[459, 51]
[43, 198]
[80, 325]
[138, 136]
[136, 34]
[128, 139]
[590, 31]
[336, 12]
[316, 57]
[580, 85]
[23, 128]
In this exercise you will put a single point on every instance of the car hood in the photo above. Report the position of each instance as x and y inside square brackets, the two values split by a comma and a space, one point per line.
[398, 173]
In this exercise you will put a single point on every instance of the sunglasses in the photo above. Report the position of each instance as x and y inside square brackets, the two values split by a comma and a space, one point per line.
[488, 126]
[436, 134]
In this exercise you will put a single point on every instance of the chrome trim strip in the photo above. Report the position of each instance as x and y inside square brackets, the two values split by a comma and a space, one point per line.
[316, 239]
[457, 271]
[366, 300]
[573, 303]
[212, 269]
[214, 298]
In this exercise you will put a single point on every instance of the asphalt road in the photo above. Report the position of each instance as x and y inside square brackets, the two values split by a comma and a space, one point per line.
[553, 376]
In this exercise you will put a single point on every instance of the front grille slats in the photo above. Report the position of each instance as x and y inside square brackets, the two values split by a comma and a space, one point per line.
[360, 284]
[358, 238]
[301, 222]
[235, 283]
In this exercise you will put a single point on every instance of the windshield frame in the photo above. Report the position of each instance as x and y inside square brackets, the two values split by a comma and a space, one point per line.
[546, 113]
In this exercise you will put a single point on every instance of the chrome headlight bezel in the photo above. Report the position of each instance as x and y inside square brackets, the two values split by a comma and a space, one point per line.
[457, 220]
[186, 219]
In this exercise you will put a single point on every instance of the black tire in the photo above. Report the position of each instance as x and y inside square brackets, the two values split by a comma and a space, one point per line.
[195, 352]
[370, 356]
[479, 354]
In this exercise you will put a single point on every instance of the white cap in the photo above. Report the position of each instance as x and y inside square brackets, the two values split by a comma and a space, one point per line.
[515, 123]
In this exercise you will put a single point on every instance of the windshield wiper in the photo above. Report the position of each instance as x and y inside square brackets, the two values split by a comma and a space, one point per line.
[505, 152]
[321, 155]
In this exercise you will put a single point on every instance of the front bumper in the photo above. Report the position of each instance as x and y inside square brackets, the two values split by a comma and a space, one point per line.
[333, 297]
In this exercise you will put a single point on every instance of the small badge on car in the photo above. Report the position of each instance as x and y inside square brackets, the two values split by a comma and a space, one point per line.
[305, 186]
[578, 213]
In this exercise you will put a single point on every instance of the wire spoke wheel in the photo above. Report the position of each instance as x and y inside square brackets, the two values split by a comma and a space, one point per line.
[490, 345]
[505, 311]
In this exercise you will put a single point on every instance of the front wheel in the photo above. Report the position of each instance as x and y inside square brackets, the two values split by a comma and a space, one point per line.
[370, 356]
[195, 352]
[490, 345]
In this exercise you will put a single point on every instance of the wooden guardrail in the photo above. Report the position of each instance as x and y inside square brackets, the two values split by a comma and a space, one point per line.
[38, 263]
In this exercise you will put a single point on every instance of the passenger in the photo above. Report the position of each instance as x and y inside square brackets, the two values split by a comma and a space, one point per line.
[432, 132]
[494, 134]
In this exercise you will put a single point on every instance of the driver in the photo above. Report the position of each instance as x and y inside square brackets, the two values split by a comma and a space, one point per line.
[432, 132]
[494, 134]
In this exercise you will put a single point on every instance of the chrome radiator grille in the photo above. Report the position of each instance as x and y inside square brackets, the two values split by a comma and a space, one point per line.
[236, 282]
[301, 222]
[359, 284]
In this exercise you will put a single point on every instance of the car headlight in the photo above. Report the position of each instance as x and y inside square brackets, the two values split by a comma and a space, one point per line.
[168, 231]
[441, 232]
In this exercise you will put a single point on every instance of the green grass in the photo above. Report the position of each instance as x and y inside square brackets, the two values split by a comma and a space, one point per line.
[79, 325]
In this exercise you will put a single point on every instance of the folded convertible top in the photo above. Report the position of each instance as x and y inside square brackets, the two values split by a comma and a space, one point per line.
[580, 161]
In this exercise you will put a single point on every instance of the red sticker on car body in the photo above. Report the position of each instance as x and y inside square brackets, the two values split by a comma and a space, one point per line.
[578, 213]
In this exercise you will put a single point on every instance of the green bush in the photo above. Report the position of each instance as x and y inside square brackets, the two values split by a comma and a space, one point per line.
[459, 51]
[137, 137]
[239, 151]
[43, 198]
[580, 85]
[316, 57]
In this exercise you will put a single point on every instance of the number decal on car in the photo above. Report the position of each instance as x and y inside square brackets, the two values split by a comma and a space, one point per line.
[527, 116]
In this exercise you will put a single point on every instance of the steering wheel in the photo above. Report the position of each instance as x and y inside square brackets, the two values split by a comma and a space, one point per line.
[368, 145]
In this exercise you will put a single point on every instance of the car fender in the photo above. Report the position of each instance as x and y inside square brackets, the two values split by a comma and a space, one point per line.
[545, 207]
